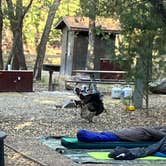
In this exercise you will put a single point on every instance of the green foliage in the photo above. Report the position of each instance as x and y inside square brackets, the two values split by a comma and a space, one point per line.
[103, 8]
[142, 33]
[142, 27]
[66, 8]
[142, 39]
[142, 43]
[35, 21]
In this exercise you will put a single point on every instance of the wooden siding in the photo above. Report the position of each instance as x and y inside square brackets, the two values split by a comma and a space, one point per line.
[80, 51]
[75, 44]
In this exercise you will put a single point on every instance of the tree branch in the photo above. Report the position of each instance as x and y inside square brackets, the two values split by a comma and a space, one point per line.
[10, 8]
[27, 8]
[160, 9]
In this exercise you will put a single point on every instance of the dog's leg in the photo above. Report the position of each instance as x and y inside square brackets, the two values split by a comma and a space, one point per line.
[90, 116]
[86, 114]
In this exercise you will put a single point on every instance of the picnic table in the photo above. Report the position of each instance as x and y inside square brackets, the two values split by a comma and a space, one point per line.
[93, 77]
[92, 73]
[50, 68]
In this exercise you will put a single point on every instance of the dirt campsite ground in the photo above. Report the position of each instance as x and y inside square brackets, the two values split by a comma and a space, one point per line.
[27, 116]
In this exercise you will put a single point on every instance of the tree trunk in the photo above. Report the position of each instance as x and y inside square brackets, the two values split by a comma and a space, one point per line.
[1, 28]
[91, 43]
[148, 70]
[16, 16]
[17, 57]
[43, 42]
[18, 53]
[144, 70]
[139, 85]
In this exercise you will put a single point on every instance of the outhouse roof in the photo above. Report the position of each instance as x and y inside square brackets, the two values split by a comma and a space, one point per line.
[82, 24]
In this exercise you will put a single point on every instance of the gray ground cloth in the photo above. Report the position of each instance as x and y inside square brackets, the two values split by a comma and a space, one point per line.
[81, 156]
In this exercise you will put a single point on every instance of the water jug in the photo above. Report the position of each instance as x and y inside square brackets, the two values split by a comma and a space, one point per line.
[127, 92]
[116, 92]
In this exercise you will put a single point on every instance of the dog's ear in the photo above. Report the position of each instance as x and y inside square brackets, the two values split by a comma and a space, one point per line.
[77, 91]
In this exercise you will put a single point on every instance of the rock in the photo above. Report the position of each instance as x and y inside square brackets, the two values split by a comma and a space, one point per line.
[158, 86]
[69, 104]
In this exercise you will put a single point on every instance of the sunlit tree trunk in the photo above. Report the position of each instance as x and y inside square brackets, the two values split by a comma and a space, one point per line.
[1, 27]
[144, 70]
[41, 49]
[18, 53]
[91, 43]
[139, 84]
[16, 17]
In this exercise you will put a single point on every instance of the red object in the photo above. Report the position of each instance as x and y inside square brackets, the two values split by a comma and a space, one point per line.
[16, 81]
[106, 65]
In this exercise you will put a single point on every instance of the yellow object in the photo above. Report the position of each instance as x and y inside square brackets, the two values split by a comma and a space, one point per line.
[130, 108]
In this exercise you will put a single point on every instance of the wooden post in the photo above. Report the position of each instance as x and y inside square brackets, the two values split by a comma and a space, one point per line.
[64, 51]
[50, 81]
[69, 64]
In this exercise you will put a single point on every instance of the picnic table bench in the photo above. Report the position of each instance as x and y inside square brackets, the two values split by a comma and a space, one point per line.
[93, 79]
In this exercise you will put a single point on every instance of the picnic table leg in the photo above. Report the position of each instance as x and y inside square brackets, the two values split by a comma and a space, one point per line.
[92, 84]
[50, 81]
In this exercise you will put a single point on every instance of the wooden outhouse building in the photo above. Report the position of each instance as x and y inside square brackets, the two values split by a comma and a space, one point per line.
[75, 41]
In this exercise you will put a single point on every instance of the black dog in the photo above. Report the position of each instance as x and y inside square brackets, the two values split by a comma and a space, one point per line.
[91, 103]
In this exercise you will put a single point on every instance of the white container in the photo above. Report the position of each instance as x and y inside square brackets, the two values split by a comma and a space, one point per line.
[127, 92]
[9, 67]
[116, 92]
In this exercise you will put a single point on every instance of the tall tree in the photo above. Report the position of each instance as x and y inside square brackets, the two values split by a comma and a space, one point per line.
[91, 42]
[43, 42]
[142, 27]
[16, 14]
[36, 18]
[1, 28]
[142, 38]
[89, 9]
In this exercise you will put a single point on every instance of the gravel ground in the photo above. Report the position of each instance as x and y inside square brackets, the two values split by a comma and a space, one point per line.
[26, 116]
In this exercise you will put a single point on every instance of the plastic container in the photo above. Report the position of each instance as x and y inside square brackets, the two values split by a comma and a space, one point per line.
[130, 108]
[9, 67]
[116, 92]
[127, 92]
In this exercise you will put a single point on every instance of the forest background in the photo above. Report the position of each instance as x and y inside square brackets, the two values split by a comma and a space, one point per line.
[141, 19]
